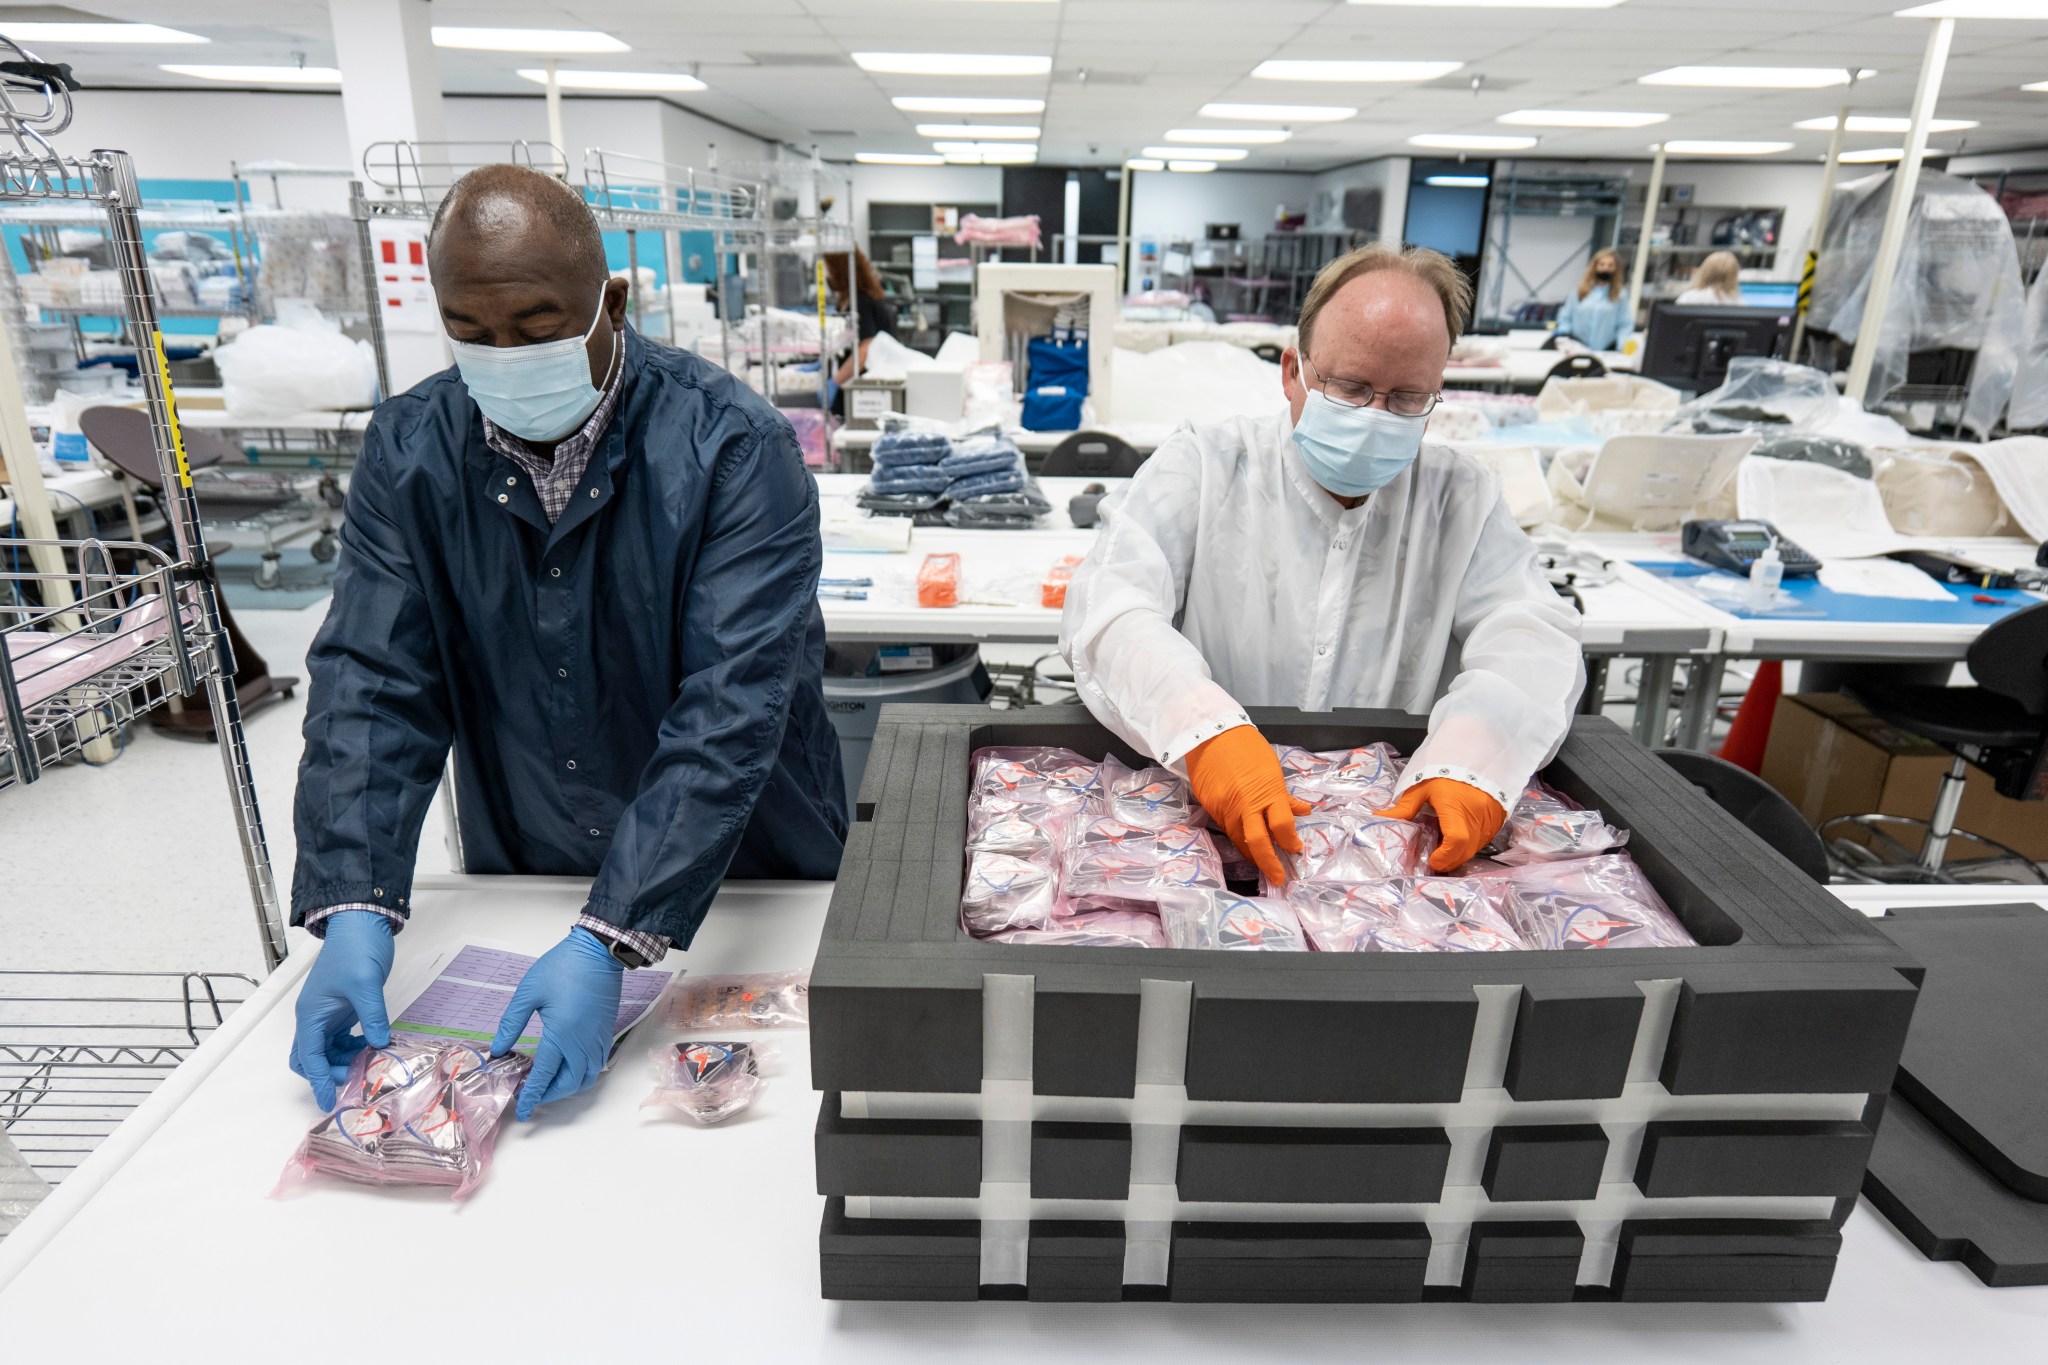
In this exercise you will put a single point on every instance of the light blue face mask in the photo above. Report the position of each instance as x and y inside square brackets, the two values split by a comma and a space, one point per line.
[1355, 451]
[540, 392]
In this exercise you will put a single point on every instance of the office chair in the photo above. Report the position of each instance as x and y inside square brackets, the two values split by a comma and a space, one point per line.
[1757, 804]
[1580, 366]
[1999, 726]
[1092, 455]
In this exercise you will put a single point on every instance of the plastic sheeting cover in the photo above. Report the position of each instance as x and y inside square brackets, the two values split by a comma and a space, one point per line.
[1958, 284]
[1195, 381]
[2030, 386]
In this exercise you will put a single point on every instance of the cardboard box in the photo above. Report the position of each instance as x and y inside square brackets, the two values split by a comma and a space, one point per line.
[1831, 757]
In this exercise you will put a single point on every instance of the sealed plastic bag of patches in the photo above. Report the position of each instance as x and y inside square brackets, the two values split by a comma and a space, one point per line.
[1132, 873]
[1600, 902]
[413, 1114]
[1152, 797]
[1024, 829]
[757, 1000]
[1364, 777]
[1359, 917]
[1229, 922]
[1339, 844]
[1547, 826]
[708, 1082]
[1095, 929]
[1004, 892]
[1037, 777]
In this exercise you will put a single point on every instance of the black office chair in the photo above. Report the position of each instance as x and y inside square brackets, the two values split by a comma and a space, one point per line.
[1757, 804]
[1268, 352]
[1999, 726]
[1581, 366]
[1092, 455]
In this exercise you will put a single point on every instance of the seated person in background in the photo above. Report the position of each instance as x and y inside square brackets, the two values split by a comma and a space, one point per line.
[873, 313]
[1595, 315]
[1718, 281]
[1325, 557]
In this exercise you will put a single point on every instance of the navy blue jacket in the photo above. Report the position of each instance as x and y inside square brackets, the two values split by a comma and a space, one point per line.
[633, 693]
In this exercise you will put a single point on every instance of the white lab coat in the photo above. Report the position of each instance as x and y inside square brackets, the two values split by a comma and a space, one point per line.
[1224, 577]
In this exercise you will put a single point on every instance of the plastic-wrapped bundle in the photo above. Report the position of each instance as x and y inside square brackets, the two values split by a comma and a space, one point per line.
[899, 447]
[1344, 845]
[1598, 902]
[1846, 456]
[925, 507]
[1404, 915]
[1365, 776]
[1052, 590]
[1547, 826]
[976, 486]
[706, 1082]
[938, 581]
[981, 457]
[998, 824]
[1762, 395]
[1134, 874]
[413, 1114]
[1037, 776]
[908, 478]
[1018, 510]
[1005, 892]
[1152, 797]
[754, 1000]
[1096, 929]
[1230, 922]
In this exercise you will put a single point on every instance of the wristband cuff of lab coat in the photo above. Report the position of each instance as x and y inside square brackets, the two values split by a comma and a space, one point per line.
[1423, 772]
[653, 947]
[1200, 735]
[316, 920]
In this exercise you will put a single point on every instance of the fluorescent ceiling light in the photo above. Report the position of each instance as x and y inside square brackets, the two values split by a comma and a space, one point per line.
[1977, 9]
[1752, 77]
[1280, 113]
[1495, 4]
[554, 42]
[1199, 153]
[966, 104]
[1191, 167]
[1711, 147]
[899, 159]
[1455, 182]
[1352, 71]
[951, 64]
[1472, 142]
[1026, 131]
[2036, 86]
[1579, 118]
[1144, 163]
[674, 81]
[1876, 155]
[108, 32]
[988, 153]
[1873, 123]
[261, 75]
[1251, 135]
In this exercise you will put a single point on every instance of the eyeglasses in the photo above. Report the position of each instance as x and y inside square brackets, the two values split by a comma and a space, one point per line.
[1356, 393]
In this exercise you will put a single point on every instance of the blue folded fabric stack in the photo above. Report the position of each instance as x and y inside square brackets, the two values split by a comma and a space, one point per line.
[894, 448]
[985, 463]
[909, 478]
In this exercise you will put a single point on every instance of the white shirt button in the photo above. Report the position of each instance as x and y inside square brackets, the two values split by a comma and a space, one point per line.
[511, 482]
[554, 573]
[1343, 544]
[503, 498]
[1322, 649]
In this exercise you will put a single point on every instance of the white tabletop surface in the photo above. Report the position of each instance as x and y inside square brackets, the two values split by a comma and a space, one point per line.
[605, 1233]
[93, 487]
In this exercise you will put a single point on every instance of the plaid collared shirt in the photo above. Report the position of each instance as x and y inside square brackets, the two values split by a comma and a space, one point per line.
[554, 482]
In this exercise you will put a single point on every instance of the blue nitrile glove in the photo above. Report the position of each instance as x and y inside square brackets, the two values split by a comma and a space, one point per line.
[575, 988]
[344, 988]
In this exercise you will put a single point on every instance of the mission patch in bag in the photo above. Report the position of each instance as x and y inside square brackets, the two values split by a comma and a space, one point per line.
[708, 1082]
[759, 1000]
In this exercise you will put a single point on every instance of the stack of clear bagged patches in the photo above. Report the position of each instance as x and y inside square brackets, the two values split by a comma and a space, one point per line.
[414, 1114]
[1404, 915]
[708, 1082]
[1546, 826]
[1349, 844]
[1600, 902]
[1229, 922]
[1024, 801]
[759, 1000]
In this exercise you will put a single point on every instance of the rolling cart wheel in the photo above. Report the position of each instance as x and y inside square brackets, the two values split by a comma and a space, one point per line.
[326, 548]
[270, 570]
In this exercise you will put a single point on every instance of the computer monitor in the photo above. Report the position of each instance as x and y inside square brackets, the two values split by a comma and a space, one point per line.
[1689, 348]
[1770, 293]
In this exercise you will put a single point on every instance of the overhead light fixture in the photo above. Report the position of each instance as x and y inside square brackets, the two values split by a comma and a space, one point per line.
[1472, 142]
[1712, 147]
[987, 153]
[1873, 123]
[1871, 156]
[1352, 71]
[260, 75]
[555, 42]
[899, 159]
[1977, 9]
[966, 104]
[1579, 118]
[1144, 163]
[1494, 4]
[1255, 136]
[1199, 153]
[1753, 77]
[1457, 182]
[102, 32]
[951, 64]
[646, 81]
[1280, 113]
[2037, 87]
[1027, 132]
[1191, 167]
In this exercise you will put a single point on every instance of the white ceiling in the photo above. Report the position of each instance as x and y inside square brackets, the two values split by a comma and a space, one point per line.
[780, 68]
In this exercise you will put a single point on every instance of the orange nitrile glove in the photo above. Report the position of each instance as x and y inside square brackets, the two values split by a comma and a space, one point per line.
[1468, 817]
[1236, 777]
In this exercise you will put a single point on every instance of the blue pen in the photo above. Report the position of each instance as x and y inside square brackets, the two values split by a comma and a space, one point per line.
[846, 582]
[844, 594]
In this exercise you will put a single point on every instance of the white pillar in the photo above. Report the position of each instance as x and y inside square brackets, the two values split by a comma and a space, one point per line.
[1892, 244]
[390, 83]
[555, 134]
[1820, 225]
[1070, 247]
[1641, 268]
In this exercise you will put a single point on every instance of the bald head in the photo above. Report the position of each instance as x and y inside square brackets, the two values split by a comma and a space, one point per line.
[513, 209]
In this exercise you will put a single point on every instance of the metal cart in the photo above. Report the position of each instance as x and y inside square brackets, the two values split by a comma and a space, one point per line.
[91, 634]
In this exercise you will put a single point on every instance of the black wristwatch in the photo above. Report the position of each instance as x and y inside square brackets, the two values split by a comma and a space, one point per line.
[625, 953]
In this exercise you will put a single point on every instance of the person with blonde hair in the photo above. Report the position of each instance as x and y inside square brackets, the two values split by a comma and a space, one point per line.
[1323, 556]
[1718, 281]
[1596, 315]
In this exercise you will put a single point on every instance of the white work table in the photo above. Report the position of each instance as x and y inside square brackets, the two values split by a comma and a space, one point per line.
[74, 495]
[607, 1233]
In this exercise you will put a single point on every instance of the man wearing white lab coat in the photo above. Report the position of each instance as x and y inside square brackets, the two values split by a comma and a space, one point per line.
[1324, 557]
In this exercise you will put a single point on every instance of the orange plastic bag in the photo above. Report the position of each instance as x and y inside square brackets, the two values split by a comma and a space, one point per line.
[938, 581]
[1053, 591]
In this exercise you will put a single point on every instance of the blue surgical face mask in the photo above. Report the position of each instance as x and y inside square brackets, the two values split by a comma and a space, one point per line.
[540, 392]
[1355, 451]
